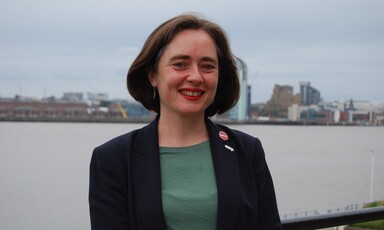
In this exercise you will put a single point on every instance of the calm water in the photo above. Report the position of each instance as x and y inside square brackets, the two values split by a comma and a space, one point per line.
[44, 169]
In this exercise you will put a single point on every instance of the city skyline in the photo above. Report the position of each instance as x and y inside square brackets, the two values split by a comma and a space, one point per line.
[103, 96]
[49, 48]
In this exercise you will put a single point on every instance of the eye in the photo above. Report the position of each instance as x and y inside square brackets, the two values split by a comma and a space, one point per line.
[208, 67]
[179, 65]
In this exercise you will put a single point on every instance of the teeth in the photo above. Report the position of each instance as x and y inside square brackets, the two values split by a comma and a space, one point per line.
[191, 94]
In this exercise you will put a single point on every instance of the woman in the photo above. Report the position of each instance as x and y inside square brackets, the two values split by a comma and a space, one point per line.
[182, 171]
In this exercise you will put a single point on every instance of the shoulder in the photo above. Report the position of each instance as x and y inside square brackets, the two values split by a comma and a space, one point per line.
[119, 142]
[116, 148]
[122, 146]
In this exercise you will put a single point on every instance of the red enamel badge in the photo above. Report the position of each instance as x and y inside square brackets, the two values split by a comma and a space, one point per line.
[223, 135]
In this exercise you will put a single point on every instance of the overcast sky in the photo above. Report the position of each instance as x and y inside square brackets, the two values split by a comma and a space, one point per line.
[48, 47]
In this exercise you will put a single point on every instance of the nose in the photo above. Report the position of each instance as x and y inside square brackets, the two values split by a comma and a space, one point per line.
[195, 75]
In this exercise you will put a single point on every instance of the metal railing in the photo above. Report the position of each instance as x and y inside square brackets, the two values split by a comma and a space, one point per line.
[335, 219]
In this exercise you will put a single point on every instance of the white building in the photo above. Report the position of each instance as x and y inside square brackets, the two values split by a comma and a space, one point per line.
[240, 111]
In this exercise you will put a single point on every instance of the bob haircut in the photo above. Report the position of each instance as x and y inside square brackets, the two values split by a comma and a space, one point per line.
[146, 62]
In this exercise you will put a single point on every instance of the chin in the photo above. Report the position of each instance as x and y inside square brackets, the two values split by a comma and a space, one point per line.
[193, 111]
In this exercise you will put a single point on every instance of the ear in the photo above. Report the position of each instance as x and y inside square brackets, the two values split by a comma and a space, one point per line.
[152, 79]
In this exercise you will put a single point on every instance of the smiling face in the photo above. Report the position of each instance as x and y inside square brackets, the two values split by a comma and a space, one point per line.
[187, 74]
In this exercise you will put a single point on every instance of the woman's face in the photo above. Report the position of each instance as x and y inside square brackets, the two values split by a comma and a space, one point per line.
[187, 74]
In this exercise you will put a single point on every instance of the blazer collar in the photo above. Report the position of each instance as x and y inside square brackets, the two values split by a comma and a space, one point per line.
[224, 155]
[147, 178]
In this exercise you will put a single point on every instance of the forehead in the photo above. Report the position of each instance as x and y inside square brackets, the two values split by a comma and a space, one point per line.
[197, 42]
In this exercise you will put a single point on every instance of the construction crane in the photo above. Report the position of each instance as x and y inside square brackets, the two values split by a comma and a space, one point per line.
[122, 110]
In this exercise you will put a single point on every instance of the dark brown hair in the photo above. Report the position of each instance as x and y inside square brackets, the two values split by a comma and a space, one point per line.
[139, 85]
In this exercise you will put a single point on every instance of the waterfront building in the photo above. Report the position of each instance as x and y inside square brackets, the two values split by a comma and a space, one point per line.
[300, 113]
[360, 105]
[316, 116]
[73, 96]
[135, 110]
[20, 108]
[97, 96]
[359, 111]
[293, 112]
[241, 111]
[119, 110]
[308, 94]
[349, 112]
[282, 97]
[255, 110]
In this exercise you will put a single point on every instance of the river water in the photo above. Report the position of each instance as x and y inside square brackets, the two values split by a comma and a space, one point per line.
[316, 169]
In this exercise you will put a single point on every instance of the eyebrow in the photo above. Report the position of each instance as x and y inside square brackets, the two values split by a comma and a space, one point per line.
[181, 56]
[186, 57]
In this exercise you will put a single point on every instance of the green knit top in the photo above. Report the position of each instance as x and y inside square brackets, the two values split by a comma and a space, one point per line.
[189, 191]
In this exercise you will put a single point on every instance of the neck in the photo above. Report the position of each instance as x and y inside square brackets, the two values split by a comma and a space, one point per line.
[178, 131]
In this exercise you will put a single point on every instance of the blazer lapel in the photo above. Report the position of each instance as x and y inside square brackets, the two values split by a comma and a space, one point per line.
[147, 178]
[224, 155]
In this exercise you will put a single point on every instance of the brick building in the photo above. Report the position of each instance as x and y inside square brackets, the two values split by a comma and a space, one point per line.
[27, 108]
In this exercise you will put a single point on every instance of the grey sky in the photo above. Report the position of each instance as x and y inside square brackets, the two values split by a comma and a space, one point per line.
[49, 47]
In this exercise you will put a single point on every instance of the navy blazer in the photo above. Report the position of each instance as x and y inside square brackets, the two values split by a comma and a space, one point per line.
[125, 184]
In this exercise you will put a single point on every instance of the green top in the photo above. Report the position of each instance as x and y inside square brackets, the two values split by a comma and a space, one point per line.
[189, 192]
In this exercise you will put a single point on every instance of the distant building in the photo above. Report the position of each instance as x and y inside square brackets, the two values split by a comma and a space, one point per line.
[293, 112]
[135, 110]
[311, 114]
[359, 105]
[308, 94]
[73, 96]
[241, 111]
[281, 99]
[120, 110]
[255, 110]
[97, 96]
[359, 111]
[27, 108]
[349, 112]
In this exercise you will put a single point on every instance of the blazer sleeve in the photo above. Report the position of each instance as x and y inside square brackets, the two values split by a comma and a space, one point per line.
[268, 210]
[107, 198]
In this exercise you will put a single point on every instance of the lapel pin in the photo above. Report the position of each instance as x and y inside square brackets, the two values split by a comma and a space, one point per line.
[223, 135]
[229, 148]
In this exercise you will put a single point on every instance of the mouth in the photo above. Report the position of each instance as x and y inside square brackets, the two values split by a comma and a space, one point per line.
[191, 94]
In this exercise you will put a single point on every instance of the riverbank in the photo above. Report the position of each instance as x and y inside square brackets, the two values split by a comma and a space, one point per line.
[146, 120]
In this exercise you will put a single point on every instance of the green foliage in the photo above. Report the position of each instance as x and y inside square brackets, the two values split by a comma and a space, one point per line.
[377, 224]
[374, 204]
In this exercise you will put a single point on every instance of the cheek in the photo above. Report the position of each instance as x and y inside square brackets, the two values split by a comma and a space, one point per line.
[214, 82]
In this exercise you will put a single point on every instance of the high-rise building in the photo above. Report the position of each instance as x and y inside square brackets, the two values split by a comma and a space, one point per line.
[240, 111]
[308, 94]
